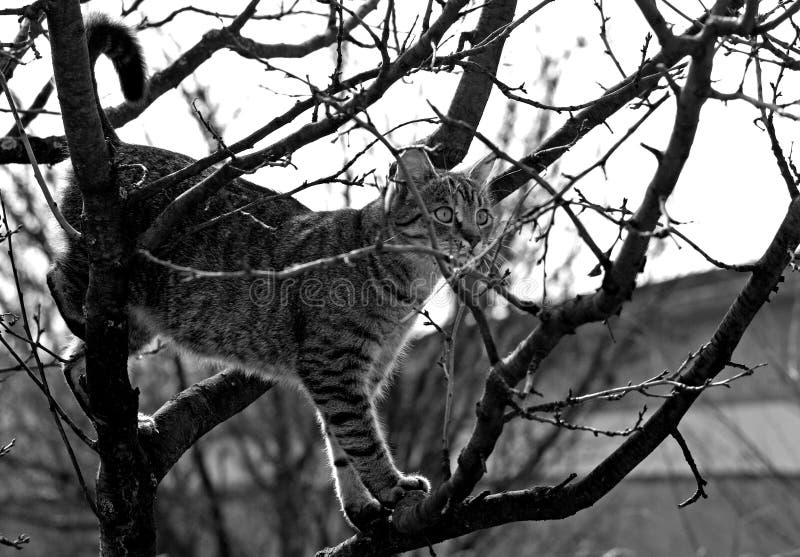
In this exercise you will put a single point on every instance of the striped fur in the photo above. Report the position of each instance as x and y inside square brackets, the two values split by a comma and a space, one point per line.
[118, 43]
[334, 332]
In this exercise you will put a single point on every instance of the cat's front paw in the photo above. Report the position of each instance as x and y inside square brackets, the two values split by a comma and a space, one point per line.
[391, 495]
[365, 515]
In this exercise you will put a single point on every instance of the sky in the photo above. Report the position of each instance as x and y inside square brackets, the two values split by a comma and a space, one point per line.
[730, 192]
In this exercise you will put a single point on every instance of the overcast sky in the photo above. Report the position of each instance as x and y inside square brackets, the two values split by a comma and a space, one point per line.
[730, 190]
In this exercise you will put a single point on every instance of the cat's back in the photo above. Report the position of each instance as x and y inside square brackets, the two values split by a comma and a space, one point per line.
[318, 234]
[137, 166]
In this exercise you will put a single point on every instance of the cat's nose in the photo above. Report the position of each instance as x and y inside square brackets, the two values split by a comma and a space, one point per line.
[471, 236]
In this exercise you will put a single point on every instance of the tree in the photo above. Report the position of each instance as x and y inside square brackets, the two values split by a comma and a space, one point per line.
[133, 460]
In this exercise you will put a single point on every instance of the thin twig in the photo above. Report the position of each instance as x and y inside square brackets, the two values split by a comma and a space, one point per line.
[558, 421]
[5, 449]
[66, 226]
[298, 269]
[604, 37]
[15, 543]
[701, 482]
[42, 375]
[449, 374]
[663, 379]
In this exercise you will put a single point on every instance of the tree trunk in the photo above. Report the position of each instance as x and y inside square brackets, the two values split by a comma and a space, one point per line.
[126, 500]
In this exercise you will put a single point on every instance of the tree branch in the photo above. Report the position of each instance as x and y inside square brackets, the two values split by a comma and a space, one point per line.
[553, 503]
[194, 197]
[191, 414]
[618, 284]
[47, 150]
[125, 491]
[65, 226]
[559, 142]
[450, 143]
[249, 48]
[50, 151]
[214, 40]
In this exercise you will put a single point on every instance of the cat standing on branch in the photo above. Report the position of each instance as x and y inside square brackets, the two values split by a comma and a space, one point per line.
[173, 210]
[341, 354]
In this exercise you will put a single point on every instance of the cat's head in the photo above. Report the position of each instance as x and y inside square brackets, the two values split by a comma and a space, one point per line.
[457, 202]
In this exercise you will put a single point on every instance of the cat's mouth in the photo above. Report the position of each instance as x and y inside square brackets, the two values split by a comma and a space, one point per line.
[463, 251]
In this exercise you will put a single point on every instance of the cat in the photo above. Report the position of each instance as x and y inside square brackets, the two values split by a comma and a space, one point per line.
[335, 332]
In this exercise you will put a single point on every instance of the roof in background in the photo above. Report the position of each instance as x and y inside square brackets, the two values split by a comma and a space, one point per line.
[727, 439]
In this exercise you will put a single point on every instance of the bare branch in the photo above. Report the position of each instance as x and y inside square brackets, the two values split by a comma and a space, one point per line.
[772, 24]
[299, 269]
[451, 143]
[5, 449]
[701, 482]
[637, 84]
[618, 283]
[188, 416]
[65, 226]
[552, 503]
[645, 388]
[252, 49]
[125, 521]
[758, 103]
[16, 543]
[42, 380]
[604, 37]
[35, 109]
[214, 40]
[193, 197]
[657, 23]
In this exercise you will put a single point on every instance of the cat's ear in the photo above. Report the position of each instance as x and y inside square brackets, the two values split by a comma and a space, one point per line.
[416, 162]
[395, 192]
[420, 169]
[481, 170]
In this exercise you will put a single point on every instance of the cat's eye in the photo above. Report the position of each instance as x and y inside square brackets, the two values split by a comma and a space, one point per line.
[444, 214]
[483, 217]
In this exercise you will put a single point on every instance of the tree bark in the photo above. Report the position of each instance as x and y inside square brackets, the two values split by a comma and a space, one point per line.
[451, 142]
[125, 489]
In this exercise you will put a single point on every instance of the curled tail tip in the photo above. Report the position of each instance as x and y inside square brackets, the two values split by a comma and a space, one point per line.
[133, 81]
[118, 42]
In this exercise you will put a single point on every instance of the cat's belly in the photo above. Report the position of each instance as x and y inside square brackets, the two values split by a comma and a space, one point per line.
[220, 345]
[210, 364]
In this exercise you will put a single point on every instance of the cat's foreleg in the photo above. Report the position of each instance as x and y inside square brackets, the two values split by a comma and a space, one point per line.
[358, 504]
[350, 417]
[371, 458]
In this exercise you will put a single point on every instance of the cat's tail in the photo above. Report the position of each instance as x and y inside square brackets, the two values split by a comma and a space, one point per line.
[119, 44]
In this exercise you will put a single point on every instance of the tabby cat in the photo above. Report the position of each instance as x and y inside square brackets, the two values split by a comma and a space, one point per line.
[335, 332]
